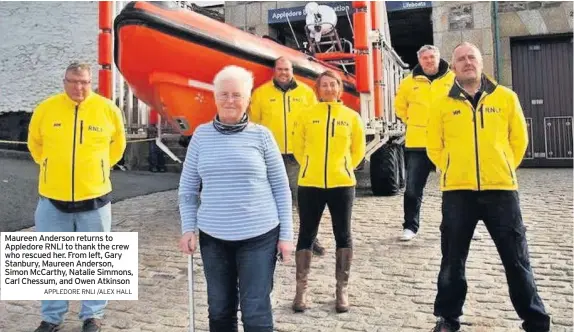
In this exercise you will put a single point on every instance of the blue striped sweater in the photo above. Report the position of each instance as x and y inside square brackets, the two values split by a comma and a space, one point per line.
[245, 189]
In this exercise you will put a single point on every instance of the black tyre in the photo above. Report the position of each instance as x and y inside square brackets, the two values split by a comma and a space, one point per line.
[384, 168]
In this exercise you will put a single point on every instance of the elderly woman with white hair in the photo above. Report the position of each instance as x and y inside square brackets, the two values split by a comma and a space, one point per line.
[244, 217]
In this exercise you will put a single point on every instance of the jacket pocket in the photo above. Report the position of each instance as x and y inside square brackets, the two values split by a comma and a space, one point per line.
[446, 169]
[82, 132]
[45, 170]
[103, 172]
[509, 168]
[347, 168]
[306, 165]
[333, 128]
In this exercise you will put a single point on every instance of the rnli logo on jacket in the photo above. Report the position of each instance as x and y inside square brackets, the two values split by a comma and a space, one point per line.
[96, 129]
[456, 112]
[342, 123]
[272, 100]
[296, 99]
[57, 124]
[316, 121]
[492, 110]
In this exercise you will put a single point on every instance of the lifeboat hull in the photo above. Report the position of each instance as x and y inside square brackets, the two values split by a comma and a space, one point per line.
[169, 57]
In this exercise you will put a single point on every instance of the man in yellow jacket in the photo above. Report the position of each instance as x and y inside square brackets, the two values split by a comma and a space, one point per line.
[75, 137]
[275, 105]
[429, 79]
[477, 138]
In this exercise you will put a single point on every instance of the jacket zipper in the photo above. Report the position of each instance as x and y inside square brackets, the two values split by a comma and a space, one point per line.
[481, 117]
[81, 131]
[346, 169]
[45, 170]
[474, 124]
[509, 168]
[285, 121]
[103, 173]
[446, 169]
[306, 165]
[74, 154]
[327, 142]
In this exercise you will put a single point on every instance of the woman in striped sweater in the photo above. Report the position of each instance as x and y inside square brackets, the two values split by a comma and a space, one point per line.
[244, 218]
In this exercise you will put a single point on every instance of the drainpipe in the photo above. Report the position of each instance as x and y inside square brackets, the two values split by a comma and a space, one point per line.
[496, 40]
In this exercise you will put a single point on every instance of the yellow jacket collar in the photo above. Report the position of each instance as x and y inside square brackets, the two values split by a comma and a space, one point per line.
[72, 102]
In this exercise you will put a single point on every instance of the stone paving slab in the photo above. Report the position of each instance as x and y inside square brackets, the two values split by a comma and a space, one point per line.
[392, 284]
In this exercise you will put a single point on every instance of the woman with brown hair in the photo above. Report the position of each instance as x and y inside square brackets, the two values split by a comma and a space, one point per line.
[329, 143]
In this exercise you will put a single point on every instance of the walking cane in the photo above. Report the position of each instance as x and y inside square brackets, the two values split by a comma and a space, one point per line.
[190, 287]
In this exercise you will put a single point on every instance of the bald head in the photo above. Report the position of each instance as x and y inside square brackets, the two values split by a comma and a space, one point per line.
[467, 63]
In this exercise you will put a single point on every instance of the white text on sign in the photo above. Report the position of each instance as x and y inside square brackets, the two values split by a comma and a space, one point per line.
[69, 266]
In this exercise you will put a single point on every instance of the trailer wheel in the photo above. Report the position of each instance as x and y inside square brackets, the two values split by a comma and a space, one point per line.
[384, 168]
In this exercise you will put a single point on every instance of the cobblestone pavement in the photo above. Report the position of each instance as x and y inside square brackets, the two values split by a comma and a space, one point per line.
[392, 284]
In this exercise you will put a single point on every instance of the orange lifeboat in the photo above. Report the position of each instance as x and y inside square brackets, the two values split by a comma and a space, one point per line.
[169, 57]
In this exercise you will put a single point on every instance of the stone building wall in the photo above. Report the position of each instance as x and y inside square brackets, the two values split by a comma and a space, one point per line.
[529, 18]
[455, 22]
[458, 21]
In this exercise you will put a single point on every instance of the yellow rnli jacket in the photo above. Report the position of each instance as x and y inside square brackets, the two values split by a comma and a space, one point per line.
[413, 100]
[478, 149]
[276, 109]
[329, 143]
[76, 146]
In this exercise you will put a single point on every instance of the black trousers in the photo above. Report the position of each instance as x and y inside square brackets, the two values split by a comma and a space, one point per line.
[312, 202]
[500, 212]
[418, 167]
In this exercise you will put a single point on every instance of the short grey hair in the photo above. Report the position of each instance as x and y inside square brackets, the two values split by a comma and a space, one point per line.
[79, 66]
[428, 48]
[239, 74]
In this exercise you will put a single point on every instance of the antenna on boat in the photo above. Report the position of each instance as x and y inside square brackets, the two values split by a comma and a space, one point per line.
[350, 22]
[293, 32]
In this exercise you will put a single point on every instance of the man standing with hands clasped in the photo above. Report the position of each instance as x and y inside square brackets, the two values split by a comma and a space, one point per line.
[275, 105]
[477, 138]
[430, 79]
[76, 137]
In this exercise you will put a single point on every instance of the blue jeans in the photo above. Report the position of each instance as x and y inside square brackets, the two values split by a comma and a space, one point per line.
[418, 167]
[500, 212]
[240, 272]
[50, 219]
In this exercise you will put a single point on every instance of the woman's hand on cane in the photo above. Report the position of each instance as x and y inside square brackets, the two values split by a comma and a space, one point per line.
[188, 243]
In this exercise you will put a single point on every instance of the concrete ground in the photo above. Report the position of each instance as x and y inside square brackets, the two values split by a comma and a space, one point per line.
[19, 189]
[392, 284]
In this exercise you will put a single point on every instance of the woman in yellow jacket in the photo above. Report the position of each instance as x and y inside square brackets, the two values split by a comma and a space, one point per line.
[329, 143]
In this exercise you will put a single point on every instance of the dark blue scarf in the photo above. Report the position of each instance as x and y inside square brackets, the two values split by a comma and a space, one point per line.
[227, 129]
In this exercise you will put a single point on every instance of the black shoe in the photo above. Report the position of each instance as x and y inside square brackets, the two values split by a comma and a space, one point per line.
[47, 327]
[443, 326]
[318, 249]
[92, 325]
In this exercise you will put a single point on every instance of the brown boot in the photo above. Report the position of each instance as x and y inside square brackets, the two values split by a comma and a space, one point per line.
[342, 269]
[303, 262]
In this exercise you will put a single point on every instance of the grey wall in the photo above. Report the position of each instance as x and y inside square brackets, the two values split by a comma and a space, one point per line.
[458, 21]
[37, 41]
[528, 18]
